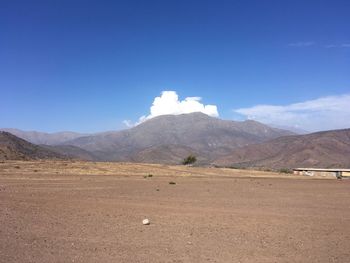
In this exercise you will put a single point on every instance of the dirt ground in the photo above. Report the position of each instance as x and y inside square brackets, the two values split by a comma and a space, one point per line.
[93, 212]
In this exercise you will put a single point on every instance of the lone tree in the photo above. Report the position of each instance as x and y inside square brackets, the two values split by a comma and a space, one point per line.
[191, 159]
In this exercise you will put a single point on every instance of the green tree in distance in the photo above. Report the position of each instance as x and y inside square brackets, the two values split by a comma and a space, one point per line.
[191, 159]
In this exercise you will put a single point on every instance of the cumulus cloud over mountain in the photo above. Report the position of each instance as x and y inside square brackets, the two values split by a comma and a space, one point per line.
[168, 103]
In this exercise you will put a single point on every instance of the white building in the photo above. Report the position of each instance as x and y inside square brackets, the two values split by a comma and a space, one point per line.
[333, 172]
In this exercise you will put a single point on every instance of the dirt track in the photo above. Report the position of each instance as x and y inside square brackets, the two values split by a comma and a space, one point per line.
[52, 215]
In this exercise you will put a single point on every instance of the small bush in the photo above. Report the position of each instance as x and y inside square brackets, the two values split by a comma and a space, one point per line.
[191, 159]
[150, 175]
[285, 171]
[172, 182]
[17, 167]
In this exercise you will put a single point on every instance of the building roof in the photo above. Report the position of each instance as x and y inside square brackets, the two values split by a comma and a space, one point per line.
[322, 169]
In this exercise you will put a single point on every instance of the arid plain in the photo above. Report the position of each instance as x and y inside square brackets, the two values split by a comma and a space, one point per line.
[63, 211]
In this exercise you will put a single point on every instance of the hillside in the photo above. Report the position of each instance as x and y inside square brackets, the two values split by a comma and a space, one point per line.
[71, 152]
[167, 154]
[36, 137]
[322, 149]
[211, 137]
[14, 148]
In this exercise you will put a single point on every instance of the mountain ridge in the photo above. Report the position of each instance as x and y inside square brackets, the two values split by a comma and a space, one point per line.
[15, 148]
[37, 137]
[211, 140]
[207, 135]
[324, 149]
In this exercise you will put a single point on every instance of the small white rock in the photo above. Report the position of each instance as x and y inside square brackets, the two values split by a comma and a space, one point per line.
[146, 221]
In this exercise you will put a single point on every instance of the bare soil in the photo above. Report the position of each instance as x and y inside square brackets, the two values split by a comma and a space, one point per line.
[93, 212]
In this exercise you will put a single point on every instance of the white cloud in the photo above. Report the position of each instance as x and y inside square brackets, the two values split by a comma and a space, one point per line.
[128, 123]
[302, 44]
[324, 113]
[344, 45]
[168, 103]
[331, 46]
[310, 43]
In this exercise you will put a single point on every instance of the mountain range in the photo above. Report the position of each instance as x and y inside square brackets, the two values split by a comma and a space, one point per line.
[328, 149]
[198, 133]
[169, 138]
[14, 148]
[43, 137]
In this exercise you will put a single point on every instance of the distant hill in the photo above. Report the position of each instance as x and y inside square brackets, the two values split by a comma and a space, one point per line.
[169, 139]
[296, 130]
[14, 148]
[169, 154]
[43, 137]
[72, 152]
[321, 149]
[165, 138]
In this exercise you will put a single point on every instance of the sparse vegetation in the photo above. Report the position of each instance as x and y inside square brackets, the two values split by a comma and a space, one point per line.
[285, 171]
[122, 193]
[191, 159]
[237, 167]
[150, 175]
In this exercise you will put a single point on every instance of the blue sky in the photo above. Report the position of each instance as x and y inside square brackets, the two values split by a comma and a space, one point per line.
[88, 66]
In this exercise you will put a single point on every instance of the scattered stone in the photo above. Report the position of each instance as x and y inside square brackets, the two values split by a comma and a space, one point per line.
[146, 221]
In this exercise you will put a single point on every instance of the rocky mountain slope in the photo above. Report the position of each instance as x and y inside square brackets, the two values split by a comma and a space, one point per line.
[320, 149]
[195, 132]
[14, 148]
[72, 152]
[169, 154]
[43, 137]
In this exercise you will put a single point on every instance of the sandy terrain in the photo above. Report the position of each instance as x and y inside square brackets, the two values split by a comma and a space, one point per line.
[93, 212]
